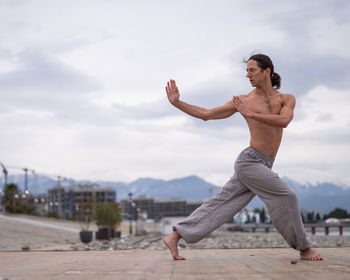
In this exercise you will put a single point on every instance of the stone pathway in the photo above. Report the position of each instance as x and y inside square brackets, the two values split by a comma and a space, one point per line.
[211, 264]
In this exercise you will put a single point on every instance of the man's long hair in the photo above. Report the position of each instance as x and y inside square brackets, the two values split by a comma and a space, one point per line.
[265, 62]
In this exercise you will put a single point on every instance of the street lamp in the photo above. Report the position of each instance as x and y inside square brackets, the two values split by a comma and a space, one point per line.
[0, 201]
[138, 210]
[130, 212]
[25, 179]
[16, 197]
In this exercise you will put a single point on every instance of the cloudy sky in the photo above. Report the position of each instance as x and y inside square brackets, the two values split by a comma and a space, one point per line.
[82, 86]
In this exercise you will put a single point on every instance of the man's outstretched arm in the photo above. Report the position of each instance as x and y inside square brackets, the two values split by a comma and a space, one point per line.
[281, 120]
[221, 112]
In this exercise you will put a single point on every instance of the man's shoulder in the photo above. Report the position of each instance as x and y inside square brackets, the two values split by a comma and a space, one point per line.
[289, 96]
[288, 99]
[283, 94]
[286, 96]
[244, 96]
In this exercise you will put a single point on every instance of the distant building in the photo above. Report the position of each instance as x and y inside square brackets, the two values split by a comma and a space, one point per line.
[344, 221]
[173, 207]
[166, 223]
[41, 204]
[251, 215]
[65, 201]
[157, 208]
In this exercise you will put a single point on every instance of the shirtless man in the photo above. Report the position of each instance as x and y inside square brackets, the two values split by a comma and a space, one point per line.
[267, 112]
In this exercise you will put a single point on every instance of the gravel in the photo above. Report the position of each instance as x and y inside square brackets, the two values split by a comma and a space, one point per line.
[16, 236]
[219, 239]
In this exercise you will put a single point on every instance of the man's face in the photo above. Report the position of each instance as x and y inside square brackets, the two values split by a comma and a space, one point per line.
[255, 74]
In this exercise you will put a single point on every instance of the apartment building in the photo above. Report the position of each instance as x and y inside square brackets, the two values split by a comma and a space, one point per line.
[156, 208]
[65, 201]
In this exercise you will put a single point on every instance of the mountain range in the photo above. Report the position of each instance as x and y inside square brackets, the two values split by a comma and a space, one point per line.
[320, 197]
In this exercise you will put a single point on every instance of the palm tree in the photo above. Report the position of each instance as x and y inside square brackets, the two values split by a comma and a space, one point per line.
[8, 200]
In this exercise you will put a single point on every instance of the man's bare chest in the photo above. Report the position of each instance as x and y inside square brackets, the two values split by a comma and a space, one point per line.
[264, 105]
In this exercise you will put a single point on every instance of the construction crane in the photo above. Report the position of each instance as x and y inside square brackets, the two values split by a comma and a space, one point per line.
[25, 169]
[26, 179]
[59, 180]
[4, 170]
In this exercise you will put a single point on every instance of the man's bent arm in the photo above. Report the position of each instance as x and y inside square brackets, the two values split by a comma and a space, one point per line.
[270, 119]
[221, 112]
[281, 120]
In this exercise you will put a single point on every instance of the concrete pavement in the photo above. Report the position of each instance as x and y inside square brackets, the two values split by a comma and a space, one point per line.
[156, 264]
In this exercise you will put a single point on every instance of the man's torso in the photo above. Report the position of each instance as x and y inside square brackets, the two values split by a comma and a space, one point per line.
[263, 137]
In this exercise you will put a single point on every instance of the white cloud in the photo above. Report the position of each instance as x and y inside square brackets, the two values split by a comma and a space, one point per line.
[330, 33]
[321, 101]
[316, 146]
[82, 85]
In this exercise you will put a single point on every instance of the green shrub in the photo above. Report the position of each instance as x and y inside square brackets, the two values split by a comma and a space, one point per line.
[107, 215]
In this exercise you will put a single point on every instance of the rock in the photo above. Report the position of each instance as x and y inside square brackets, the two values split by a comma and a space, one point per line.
[26, 248]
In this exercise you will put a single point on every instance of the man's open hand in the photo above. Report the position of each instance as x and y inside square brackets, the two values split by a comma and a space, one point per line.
[241, 107]
[172, 92]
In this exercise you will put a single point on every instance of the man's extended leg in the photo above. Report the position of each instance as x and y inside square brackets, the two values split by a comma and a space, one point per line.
[281, 201]
[215, 211]
[210, 215]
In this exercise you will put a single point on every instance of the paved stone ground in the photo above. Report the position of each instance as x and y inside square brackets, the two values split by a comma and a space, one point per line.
[202, 264]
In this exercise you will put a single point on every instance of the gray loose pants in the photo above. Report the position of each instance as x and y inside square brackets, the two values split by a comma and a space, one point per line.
[253, 176]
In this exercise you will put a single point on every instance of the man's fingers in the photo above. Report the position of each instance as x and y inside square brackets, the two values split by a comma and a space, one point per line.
[234, 100]
[171, 87]
[167, 88]
[237, 101]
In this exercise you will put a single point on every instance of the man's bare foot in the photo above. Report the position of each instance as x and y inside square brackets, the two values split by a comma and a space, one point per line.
[171, 242]
[310, 255]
